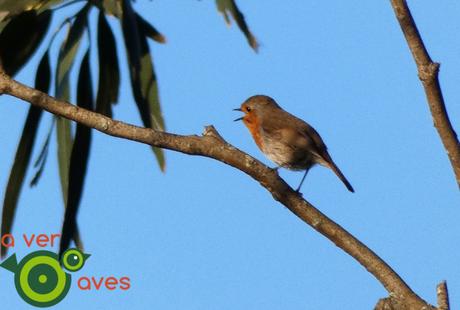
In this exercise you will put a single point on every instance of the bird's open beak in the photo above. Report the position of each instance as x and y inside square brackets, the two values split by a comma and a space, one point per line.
[239, 118]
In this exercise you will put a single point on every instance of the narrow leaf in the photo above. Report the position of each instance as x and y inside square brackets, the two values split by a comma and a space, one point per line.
[64, 143]
[66, 58]
[24, 152]
[109, 72]
[132, 43]
[112, 7]
[85, 86]
[229, 6]
[149, 89]
[45, 146]
[41, 168]
[22, 35]
[143, 79]
[149, 30]
[43, 75]
[42, 82]
[67, 53]
[18, 171]
[42, 157]
[79, 156]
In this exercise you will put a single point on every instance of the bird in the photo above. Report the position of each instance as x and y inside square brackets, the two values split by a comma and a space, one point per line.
[285, 139]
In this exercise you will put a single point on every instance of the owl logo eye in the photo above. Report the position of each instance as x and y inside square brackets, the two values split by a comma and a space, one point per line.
[73, 259]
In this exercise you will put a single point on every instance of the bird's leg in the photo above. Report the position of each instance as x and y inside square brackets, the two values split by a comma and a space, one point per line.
[276, 168]
[303, 179]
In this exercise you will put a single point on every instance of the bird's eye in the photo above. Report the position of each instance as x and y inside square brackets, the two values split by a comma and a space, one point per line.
[248, 109]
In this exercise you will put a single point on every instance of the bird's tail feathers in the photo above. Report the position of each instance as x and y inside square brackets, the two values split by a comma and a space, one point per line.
[339, 173]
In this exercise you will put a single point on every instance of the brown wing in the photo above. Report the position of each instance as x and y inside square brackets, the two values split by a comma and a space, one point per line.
[277, 125]
[320, 149]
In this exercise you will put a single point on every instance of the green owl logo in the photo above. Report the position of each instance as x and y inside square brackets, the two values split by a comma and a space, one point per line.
[39, 278]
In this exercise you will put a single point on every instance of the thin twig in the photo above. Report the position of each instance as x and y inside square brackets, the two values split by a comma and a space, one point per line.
[428, 74]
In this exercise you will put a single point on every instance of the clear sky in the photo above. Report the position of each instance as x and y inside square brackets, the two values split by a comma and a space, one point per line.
[206, 236]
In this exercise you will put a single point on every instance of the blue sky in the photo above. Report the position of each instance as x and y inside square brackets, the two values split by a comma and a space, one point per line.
[204, 235]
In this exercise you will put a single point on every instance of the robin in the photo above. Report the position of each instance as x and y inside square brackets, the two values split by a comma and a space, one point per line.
[285, 139]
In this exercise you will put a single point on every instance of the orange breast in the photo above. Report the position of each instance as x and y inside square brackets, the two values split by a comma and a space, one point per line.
[252, 122]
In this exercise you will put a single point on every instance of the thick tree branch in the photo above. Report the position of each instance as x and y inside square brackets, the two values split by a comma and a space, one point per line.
[428, 74]
[212, 145]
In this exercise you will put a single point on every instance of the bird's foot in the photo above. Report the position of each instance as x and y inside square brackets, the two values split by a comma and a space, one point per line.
[298, 192]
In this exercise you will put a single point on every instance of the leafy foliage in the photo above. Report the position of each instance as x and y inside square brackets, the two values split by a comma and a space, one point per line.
[24, 29]
[22, 42]
[229, 6]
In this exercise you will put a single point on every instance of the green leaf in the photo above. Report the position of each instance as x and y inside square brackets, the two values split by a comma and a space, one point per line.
[143, 79]
[85, 87]
[64, 143]
[42, 82]
[149, 30]
[67, 53]
[109, 72]
[79, 156]
[42, 157]
[18, 171]
[112, 7]
[22, 35]
[131, 38]
[24, 152]
[65, 61]
[43, 76]
[66, 58]
[149, 88]
[64, 139]
[229, 6]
